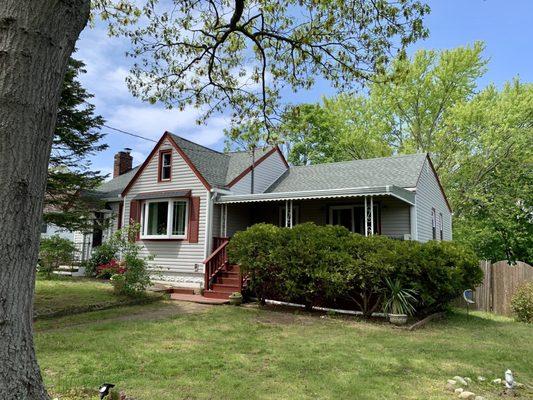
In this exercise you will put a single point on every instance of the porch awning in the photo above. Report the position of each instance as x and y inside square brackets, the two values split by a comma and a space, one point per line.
[389, 190]
[162, 195]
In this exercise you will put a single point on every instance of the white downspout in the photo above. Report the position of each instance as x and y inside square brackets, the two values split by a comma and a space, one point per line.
[208, 223]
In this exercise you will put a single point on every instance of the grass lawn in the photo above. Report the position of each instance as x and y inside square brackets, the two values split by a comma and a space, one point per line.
[169, 351]
[65, 294]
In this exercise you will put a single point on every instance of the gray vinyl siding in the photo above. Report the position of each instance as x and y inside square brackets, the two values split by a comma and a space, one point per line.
[265, 175]
[428, 196]
[177, 261]
[395, 218]
[239, 218]
[215, 225]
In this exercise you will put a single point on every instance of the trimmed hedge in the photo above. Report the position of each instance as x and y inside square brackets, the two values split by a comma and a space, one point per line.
[328, 265]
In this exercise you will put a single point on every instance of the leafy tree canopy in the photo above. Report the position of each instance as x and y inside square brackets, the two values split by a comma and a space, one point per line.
[481, 142]
[219, 54]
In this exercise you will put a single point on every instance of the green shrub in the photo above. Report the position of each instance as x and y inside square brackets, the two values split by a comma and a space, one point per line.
[53, 252]
[439, 272]
[522, 303]
[315, 264]
[323, 265]
[136, 274]
[254, 250]
[373, 261]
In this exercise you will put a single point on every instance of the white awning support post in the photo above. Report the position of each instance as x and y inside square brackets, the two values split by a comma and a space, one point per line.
[369, 216]
[288, 213]
[366, 218]
[372, 215]
[225, 220]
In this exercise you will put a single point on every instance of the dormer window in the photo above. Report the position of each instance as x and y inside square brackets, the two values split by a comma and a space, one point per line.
[165, 165]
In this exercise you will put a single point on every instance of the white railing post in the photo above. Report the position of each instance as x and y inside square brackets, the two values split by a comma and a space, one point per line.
[366, 217]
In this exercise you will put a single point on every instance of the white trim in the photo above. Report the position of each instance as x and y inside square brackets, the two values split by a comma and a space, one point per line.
[389, 190]
[170, 217]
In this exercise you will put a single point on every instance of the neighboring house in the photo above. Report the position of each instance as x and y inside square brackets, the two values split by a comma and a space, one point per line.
[189, 198]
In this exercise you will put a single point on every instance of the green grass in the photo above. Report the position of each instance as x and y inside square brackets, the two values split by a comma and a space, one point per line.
[71, 295]
[176, 351]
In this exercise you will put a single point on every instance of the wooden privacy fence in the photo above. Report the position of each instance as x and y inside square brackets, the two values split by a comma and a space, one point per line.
[500, 282]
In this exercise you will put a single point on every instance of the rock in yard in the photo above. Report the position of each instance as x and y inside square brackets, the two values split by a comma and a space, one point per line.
[458, 390]
[452, 382]
[481, 379]
[479, 398]
[497, 381]
[468, 379]
[450, 387]
[467, 395]
[460, 380]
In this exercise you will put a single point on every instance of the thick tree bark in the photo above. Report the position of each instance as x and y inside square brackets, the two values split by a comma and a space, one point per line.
[36, 39]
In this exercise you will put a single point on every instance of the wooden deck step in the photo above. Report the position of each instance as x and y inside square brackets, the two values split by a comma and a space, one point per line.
[221, 287]
[228, 280]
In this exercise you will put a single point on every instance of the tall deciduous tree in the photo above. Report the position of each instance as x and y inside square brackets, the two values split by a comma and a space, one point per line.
[191, 53]
[68, 203]
[481, 142]
[489, 174]
[36, 41]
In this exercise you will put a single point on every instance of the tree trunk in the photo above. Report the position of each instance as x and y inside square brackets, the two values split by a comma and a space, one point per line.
[36, 39]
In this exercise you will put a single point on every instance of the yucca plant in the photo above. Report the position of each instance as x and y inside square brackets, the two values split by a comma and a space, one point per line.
[399, 300]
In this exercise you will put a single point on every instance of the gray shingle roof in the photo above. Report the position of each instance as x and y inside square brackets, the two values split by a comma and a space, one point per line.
[111, 190]
[219, 169]
[402, 171]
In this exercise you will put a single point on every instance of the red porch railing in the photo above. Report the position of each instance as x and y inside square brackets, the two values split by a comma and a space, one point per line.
[215, 263]
[217, 241]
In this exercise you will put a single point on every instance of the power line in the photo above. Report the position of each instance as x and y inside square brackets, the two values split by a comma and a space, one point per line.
[129, 133]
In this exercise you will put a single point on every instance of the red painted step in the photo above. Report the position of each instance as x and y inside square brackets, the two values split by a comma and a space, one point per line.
[228, 280]
[220, 287]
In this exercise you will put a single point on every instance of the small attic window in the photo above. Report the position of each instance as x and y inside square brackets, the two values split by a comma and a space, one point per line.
[165, 165]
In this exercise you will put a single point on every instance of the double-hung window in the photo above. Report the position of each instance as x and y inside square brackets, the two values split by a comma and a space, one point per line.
[164, 219]
[165, 165]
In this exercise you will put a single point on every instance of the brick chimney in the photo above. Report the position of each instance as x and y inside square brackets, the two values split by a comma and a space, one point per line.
[123, 162]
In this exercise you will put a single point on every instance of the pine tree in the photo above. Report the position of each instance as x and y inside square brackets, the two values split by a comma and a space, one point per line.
[68, 201]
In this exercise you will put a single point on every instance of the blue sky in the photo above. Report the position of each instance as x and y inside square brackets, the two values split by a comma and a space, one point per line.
[506, 27]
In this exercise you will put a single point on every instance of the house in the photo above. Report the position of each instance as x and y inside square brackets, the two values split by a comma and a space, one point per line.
[189, 199]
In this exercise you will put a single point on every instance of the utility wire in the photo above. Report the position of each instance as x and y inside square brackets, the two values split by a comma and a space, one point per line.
[129, 133]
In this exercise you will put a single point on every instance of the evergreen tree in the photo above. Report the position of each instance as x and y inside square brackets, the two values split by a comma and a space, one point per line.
[68, 201]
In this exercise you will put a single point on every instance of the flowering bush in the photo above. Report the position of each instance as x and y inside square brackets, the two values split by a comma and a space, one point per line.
[133, 266]
[113, 267]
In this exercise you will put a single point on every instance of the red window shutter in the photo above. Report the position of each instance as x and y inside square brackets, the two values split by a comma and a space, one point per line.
[135, 215]
[194, 219]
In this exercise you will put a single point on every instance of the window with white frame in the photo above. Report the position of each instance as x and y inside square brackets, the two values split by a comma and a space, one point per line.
[164, 219]
[165, 165]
